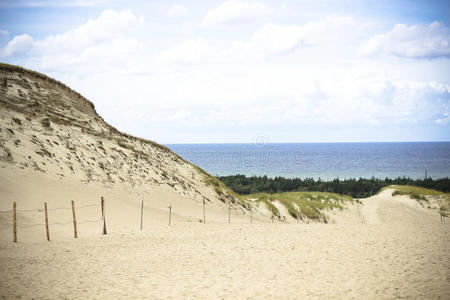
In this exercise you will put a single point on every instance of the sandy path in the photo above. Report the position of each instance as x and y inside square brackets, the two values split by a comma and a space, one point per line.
[401, 252]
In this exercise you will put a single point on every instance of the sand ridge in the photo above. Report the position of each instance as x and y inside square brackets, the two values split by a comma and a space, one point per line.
[52, 137]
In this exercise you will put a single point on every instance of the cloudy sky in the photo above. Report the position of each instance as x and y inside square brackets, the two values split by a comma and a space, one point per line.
[232, 71]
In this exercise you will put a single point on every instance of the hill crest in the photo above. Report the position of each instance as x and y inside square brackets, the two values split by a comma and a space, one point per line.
[53, 130]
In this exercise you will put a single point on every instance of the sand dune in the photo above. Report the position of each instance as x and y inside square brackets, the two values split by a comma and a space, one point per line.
[393, 250]
[55, 148]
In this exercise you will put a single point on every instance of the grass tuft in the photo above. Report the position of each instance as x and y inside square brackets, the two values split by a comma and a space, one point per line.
[304, 204]
[422, 195]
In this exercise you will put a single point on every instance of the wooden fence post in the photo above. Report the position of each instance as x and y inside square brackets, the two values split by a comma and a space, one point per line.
[229, 211]
[14, 223]
[170, 212]
[204, 217]
[142, 211]
[103, 216]
[46, 221]
[75, 234]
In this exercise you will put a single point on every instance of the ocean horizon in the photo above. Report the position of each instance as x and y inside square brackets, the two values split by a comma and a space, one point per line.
[321, 160]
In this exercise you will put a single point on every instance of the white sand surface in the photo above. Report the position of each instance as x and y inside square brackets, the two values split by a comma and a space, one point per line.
[394, 250]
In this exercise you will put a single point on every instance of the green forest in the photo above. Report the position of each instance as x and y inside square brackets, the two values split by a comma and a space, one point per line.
[357, 188]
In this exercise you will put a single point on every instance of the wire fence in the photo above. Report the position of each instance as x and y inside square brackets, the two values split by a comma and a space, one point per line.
[15, 225]
[49, 209]
[13, 213]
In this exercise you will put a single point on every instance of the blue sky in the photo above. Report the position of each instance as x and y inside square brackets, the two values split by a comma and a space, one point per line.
[233, 71]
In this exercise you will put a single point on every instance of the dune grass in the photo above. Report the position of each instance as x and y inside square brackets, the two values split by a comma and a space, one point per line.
[421, 195]
[220, 188]
[410, 189]
[303, 204]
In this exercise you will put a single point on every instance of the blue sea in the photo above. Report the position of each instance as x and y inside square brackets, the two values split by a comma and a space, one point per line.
[321, 160]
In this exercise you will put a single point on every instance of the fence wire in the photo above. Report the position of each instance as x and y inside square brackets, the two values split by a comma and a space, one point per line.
[49, 224]
[90, 221]
[76, 207]
[58, 208]
[29, 210]
[51, 209]
[21, 210]
[29, 225]
[90, 205]
[59, 223]
[48, 209]
[9, 225]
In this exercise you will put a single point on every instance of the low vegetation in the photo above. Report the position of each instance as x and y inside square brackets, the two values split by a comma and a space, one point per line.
[356, 188]
[302, 205]
[424, 195]
[223, 191]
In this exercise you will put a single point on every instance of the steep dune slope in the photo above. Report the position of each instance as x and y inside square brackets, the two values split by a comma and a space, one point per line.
[52, 138]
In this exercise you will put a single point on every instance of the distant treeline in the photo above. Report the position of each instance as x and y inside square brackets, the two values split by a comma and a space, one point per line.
[357, 188]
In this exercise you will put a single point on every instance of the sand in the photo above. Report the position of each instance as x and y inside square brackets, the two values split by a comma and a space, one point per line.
[394, 249]
[55, 148]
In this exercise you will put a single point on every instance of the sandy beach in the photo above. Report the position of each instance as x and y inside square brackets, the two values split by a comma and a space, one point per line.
[394, 249]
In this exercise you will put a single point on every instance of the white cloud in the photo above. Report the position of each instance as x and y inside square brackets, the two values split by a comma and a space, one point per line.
[416, 41]
[189, 52]
[278, 39]
[235, 11]
[280, 77]
[3, 32]
[52, 3]
[109, 25]
[177, 10]
[262, 96]
[99, 40]
[19, 45]
[444, 120]
[269, 41]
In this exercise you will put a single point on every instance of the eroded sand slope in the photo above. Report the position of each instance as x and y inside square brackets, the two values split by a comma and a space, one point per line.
[55, 148]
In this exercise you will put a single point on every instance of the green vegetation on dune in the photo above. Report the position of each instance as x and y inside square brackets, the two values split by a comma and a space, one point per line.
[423, 195]
[304, 204]
[266, 199]
[418, 197]
[223, 191]
[410, 189]
[356, 188]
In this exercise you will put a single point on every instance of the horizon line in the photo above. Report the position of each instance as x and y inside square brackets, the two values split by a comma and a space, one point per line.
[249, 143]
